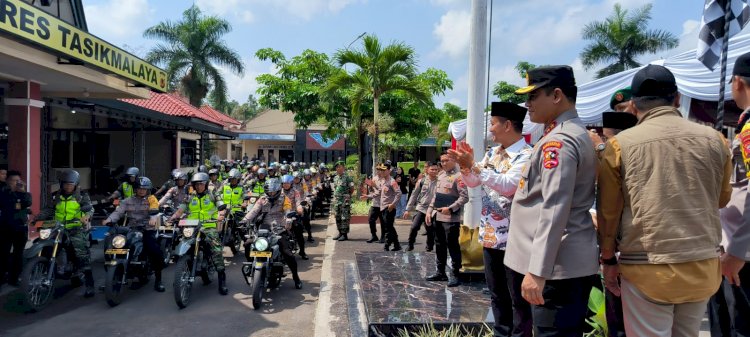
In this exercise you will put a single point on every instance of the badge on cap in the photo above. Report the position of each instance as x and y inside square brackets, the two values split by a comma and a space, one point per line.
[551, 154]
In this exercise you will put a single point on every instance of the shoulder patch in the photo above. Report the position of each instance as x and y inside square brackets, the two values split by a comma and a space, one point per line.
[745, 141]
[551, 153]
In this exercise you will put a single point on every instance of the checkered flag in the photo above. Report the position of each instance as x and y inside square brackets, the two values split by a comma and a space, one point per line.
[710, 38]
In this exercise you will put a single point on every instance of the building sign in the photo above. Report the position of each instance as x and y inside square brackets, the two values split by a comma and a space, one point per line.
[276, 147]
[316, 141]
[32, 24]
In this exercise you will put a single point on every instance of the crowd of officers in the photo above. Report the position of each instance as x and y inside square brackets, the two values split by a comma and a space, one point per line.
[266, 192]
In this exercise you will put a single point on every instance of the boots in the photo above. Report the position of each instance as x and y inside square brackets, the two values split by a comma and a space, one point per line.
[223, 283]
[438, 276]
[297, 282]
[89, 282]
[158, 285]
[310, 238]
[453, 281]
[396, 247]
[343, 237]
[337, 237]
[373, 239]
[411, 247]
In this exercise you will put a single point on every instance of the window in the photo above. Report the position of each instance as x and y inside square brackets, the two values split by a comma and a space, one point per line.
[187, 153]
[81, 150]
[60, 150]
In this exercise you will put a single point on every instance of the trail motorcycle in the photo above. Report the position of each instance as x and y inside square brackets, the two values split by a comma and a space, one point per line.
[266, 267]
[124, 261]
[50, 256]
[193, 258]
[233, 233]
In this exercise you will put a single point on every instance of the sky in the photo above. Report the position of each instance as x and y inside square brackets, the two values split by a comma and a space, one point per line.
[537, 31]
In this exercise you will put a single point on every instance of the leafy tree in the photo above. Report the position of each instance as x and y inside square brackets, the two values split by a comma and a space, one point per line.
[378, 70]
[506, 92]
[621, 38]
[450, 113]
[191, 49]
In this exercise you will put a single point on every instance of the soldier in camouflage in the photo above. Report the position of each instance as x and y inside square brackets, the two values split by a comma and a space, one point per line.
[343, 187]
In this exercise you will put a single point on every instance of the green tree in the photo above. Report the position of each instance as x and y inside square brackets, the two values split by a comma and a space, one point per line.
[191, 49]
[377, 71]
[506, 92]
[621, 38]
[451, 113]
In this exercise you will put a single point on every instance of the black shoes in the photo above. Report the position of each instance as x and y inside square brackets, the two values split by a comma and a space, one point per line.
[310, 238]
[437, 277]
[342, 237]
[373, 239]
[298, 284]
[304, 256]
[338, 237]
[428, 249]
[382, 239]
[453, 281]
[396, 247]
[158, 285]
[89, 282]
[223, 283]
[410, 248]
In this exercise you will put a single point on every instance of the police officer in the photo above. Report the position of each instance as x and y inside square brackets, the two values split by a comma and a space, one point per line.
[126, 188]
[552, 245]
[203, 205]
[272, 207]
[233, 193]
[445, 214]
[167, 184]
[296, 199]
[214, 184]
[343, 187]
[142, 212]
[256, 185]
[390, 196]
[373, 194]
[178, 193]
[424, 191]
[73, 208]
[15, 205]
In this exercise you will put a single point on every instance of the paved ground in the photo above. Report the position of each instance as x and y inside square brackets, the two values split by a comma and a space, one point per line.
[286, 312]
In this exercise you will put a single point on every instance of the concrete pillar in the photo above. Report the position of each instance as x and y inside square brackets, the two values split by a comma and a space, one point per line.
[25, 105]
[475, 131]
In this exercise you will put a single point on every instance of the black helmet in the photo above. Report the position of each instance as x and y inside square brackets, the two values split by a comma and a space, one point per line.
[272, 188]
[202, 168]
[144, 182]
[200, 177]
[132, 171]
[69, 176]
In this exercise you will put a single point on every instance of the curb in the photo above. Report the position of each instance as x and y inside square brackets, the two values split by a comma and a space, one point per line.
[322, 328]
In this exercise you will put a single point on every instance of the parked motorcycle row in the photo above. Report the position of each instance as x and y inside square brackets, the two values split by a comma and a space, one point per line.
[51, 256]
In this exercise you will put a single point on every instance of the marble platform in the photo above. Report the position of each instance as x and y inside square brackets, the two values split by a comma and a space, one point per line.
[395, 294]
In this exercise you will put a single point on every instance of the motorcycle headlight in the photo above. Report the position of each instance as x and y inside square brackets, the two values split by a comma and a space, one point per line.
[261, 244]
[118, 241]
[188, 232]
[45, 233]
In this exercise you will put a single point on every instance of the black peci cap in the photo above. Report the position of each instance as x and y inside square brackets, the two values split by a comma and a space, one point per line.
[618, 120]
[507, 110]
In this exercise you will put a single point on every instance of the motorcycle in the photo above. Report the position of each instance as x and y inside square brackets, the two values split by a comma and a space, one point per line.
[193, 258]
[166, 234]
[266, 268]
[51, 256]
[233, 233]
[124, 261]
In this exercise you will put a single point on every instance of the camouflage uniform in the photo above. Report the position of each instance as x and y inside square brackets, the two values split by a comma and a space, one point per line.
[342, 201]
[77, 233]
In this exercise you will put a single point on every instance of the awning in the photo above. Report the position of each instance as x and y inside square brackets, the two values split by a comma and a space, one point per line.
[158, 118]
[264, 136]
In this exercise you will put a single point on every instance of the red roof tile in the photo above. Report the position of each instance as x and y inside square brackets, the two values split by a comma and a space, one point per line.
[175, 105]
[219, 115]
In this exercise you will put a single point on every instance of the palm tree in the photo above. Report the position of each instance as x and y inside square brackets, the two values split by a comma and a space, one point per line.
[621, 38]
[378, 70]
[191, 49]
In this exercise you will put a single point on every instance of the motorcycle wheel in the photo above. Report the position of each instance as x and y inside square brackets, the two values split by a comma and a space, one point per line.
[257, 286]
[166, 250]
[36, 287]
[182, 285]
[114, 285]
[235, 246]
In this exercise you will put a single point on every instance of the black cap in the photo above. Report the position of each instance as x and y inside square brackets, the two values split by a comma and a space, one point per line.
[742, 66]
[507, 110]
[557, 76]
[618, 120]
[653, 80]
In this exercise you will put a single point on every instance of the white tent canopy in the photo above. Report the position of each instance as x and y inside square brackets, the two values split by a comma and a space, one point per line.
[694, 80]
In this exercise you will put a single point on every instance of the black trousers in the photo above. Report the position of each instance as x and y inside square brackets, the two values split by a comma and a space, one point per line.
[497, 283]
[446, 242]
[565, 305]
[372, 220]
[386, 219]
[729, 308]
[306, 223]
[286, 253]
[416, 225]
[522, 318]
[153, 250]
[11, 263]
[615, 321]
[299, 236]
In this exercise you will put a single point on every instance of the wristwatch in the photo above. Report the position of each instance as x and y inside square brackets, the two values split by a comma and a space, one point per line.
[612, 261]
[600, 147]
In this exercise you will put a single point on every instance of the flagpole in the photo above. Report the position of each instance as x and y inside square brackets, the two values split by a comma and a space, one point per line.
[724, 51]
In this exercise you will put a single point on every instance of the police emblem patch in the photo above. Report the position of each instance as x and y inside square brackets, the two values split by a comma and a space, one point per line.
[551, 154]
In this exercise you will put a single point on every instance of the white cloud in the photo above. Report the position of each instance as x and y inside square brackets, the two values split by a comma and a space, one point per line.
[582, 75]
[248, 17]
[118, 20]
[450, 3]
[302, 9]
[239, 87]
[452, 33]
[689, 36]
